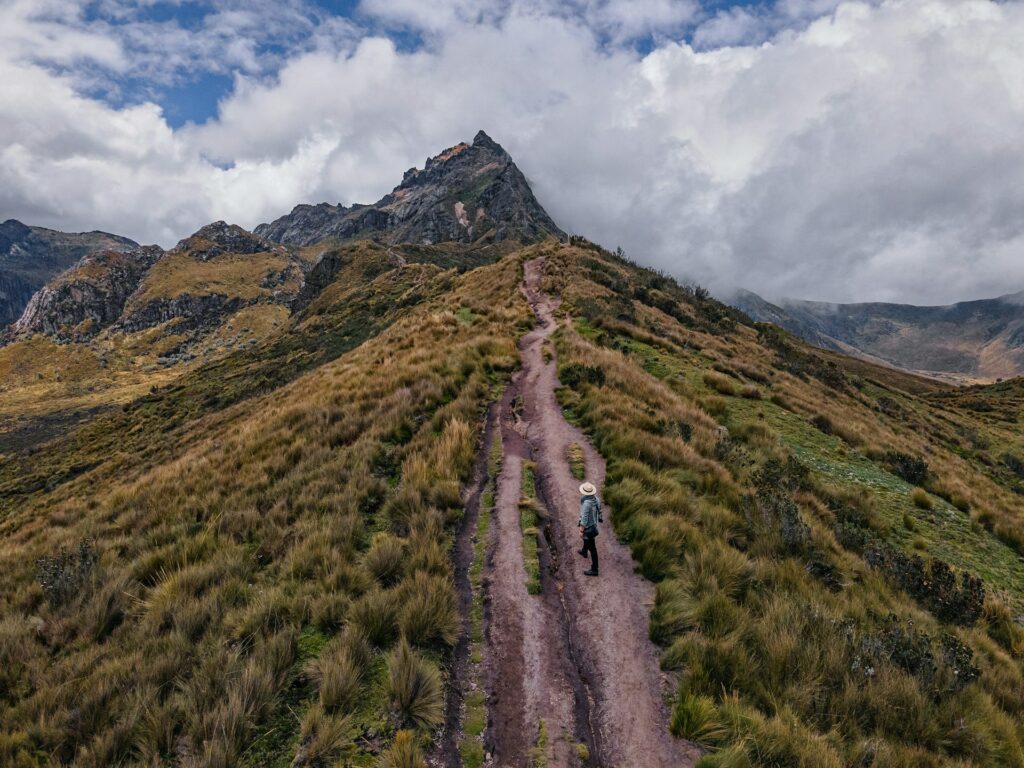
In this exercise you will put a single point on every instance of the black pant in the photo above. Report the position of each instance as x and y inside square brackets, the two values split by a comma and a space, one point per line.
[589, 545]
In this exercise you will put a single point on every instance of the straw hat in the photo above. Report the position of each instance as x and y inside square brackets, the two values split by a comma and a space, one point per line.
[588, 489]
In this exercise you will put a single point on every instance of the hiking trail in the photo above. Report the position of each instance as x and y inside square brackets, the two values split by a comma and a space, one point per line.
[571, 676]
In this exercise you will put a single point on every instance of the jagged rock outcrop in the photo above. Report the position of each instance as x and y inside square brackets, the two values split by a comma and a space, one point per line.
[213, 273]
[191, 312]
[220, 238]
[88, 297]
[31, 256]
[470, 193]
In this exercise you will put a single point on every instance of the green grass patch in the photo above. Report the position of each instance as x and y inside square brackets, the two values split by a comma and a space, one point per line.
[465, 315]
[576, 462]
[942, 531]
[529, 520]
[471, 743]
[539, 753]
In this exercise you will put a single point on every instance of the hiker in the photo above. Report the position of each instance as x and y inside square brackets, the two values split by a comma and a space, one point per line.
[590, 516]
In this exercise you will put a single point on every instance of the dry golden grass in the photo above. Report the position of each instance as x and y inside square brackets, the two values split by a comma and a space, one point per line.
[238, 275]
[783, 639]
[227, 568]
[274, 575]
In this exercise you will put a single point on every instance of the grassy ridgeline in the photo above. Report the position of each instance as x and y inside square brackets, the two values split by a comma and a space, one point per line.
[252, 566]
[277, 588]
[758, 524]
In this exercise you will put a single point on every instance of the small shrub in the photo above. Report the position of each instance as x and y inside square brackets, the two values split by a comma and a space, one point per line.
[921, 499]
[414, 686]
[913, 469]
[65, 576]
[889, 407]
[1014, 464]
[575, 374]
[823, 424]
[772, 508]
[721, 384]
[932, 583]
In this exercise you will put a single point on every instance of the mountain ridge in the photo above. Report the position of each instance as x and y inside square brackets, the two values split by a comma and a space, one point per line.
[967, 341]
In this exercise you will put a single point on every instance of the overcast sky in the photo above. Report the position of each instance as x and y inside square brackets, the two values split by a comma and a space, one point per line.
[818, 149]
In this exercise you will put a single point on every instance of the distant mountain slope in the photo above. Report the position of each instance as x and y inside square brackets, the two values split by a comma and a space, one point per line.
[970, 340]
[30, 256]
[470, 193]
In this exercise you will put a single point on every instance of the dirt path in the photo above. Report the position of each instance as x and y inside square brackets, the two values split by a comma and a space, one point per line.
[575, 657]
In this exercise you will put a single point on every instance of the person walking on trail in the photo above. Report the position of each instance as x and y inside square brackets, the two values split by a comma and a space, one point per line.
[590, 516]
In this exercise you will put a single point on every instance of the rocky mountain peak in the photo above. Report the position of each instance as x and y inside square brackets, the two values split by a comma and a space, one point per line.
[12, 230]
[218, 238]
[469, 193]
[484, 141]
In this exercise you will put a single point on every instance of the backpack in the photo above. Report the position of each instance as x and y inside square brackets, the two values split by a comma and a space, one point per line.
[600, 512]
[592, 530]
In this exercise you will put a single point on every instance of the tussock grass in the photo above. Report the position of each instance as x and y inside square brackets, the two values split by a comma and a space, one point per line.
[385, 559]
[248, 517]
[414, 685]
[313, 501]
[404, 752]
[791, 649]
[921, 499]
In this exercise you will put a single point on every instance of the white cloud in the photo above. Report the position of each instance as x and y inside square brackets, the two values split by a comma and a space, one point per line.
[856, 150]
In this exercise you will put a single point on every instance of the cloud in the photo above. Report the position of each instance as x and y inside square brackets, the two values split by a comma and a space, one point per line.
[837, 151]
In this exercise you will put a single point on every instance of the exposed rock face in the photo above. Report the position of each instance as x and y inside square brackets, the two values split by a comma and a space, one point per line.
[219, 238]
[320, 276]
[15, 294]
[88, 297]
[971, 339]
[470, 193]
[191, 312]
[30, 256]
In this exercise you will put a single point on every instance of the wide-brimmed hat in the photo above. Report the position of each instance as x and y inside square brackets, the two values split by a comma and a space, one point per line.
[588, 489]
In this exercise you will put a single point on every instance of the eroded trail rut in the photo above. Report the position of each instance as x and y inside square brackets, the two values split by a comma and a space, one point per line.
[575, 657]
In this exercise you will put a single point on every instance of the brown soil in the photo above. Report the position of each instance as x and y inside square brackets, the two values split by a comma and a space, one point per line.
[576, 657]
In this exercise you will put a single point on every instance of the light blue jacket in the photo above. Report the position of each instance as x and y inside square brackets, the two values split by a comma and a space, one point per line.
[590, 511]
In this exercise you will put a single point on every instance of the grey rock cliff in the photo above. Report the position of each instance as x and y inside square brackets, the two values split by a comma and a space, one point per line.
[88, 297]
[31, 256]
